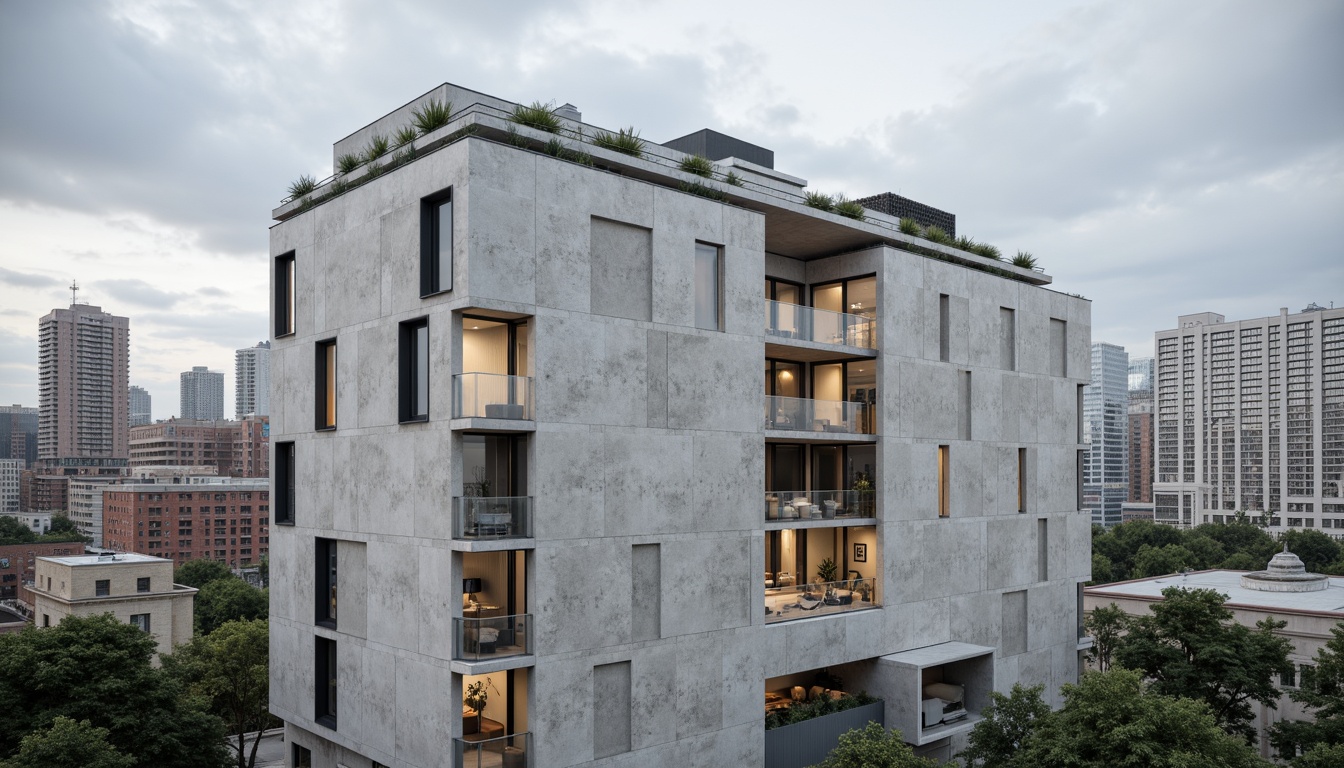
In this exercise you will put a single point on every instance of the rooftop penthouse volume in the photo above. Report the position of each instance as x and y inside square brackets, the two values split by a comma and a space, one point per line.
[799, 223]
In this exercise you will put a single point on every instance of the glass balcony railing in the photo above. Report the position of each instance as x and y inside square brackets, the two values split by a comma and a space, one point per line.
[786, 601]
[804, 415]
[492, 396]
[492, 517]
[794, 321]
[513, 751]
[486, 638]
[819, 505]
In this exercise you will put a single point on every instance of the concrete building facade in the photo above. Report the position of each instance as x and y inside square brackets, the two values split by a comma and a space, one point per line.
[202, 394]
[142, 406]
[252, 381]
[136, 589]
[221, 519]
[1250, 418]
[540, 426]
[18, 433]
[1106, 433]
[83, 364]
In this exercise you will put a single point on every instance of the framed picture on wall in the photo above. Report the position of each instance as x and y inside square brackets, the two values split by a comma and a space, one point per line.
[860, 553]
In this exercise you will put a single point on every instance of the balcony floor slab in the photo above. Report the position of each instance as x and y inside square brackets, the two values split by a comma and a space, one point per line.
[494, 426]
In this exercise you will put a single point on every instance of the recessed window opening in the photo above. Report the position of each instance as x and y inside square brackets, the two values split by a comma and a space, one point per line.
[436, 244]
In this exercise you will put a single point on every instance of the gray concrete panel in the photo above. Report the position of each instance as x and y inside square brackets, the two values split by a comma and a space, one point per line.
[712, 381]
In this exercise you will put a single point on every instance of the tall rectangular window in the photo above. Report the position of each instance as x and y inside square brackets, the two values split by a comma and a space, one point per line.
[1021, 479]
[283, 280]
[140, 621]
[284, 483]
[414, 364]
[436, 243]
[325, 582]
[1007, 339]
[1059, 347]
[1042, 549]
[303, 757]
[708, 287]
[944, 327]
[964, 405]
[102, 588]
[944, 470]
[324, 682]
[142, 584]
[325, 378]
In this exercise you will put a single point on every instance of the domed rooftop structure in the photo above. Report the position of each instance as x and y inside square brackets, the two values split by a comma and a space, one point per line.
[1285, 573]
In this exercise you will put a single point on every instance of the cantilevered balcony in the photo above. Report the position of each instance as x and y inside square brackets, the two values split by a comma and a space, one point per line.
[482, 518]
[794, 322]
[832, 418]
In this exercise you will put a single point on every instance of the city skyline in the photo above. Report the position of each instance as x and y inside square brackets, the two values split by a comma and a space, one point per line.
[1115, 142]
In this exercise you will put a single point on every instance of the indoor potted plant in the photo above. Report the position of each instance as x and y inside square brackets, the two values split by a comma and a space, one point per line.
[477, 697]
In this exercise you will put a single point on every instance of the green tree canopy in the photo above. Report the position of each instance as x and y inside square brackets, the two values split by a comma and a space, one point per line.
[198, 573]
[229, 599]
[1190, 647]
[874, 747]
[1321, 689]
[1111, 720]
[68, 744]
[1106, 625]
[230, 668]
[1317, 550]
[14, 532]
[99, 669]
[1008, 722]
[1244, 561]
[1159, 561]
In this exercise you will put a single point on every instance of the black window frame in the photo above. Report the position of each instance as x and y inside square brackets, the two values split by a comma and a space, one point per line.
[325, 583]
[413, 371]
[283, 277]
[432, 279]
[146, 626]
[325, 682]
[142, 584]
[102, 588]
[302, 756]
[325, 396]
[282, 469]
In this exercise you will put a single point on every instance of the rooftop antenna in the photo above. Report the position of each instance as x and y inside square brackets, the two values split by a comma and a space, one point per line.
[74, 289]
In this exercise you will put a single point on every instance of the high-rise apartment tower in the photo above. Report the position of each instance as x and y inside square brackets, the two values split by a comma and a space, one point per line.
[202, 394]
[141, 406]
[83, 395]
[252, 381]
[1106, 433]
[1250, 418]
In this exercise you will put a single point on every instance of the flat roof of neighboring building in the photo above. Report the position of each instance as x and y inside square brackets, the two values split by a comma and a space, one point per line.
[120, 557]
[1328, 600]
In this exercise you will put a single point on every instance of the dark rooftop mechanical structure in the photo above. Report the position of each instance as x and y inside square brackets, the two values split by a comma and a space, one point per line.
[716, 146]
[905, 208]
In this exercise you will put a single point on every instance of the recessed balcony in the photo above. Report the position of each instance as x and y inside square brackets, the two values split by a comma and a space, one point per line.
[479, 750]
[789, 601]
[491, 638]
[489, 518]
[831, 419]
[805, 506]
[797, 332]
[492, 402]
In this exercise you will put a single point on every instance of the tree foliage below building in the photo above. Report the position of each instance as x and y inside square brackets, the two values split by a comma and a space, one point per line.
[1142, 549]
[874, 747]
[62, 529]
[231, 599]
[1321, 690]
[1109, 719]
[99, 670]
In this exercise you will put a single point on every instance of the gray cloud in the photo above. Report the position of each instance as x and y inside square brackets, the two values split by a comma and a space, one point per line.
[27, 279]
[136, 291]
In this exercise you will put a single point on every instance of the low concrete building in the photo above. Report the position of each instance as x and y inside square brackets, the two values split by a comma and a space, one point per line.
[1310, 603]
[137, 589]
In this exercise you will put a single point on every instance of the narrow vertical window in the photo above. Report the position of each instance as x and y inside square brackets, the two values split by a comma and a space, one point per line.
[325, 582]
[1042, 549]
[284, 483]
[708, 287]
[944, 505]
[1059, 347]
[964, 409]
[944, 331]
[324, 678]
[1021, 480]
[1007, 339]
[326, 384]
[283, 280]
[436, 244]
[414, 363]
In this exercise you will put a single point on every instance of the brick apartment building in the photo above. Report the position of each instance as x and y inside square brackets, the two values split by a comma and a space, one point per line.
[43, 493]
[226, 521]
[18, 561]
[233, 448]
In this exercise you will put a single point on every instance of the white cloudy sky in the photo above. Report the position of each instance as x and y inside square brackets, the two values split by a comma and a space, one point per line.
[1158, 158]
